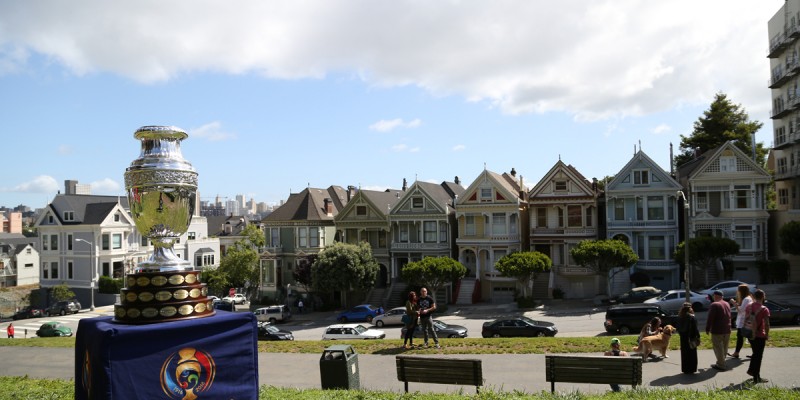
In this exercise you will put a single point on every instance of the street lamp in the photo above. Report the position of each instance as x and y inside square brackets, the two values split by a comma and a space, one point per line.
[91, 266]
[686, 270]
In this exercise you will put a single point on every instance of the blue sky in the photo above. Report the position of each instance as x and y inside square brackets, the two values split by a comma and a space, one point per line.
[277, 95]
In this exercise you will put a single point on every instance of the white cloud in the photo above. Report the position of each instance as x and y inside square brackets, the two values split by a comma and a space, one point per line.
[39, 184]
[662, 129]
[212, 131]
[459, 147]
[106, 186]
[400, 147]
[389, 125]
[592, 60]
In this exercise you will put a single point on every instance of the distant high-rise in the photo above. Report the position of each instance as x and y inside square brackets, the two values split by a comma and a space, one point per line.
[73, 187]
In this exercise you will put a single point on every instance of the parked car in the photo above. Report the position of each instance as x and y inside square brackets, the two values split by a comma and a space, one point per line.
[779, 313]
[267, 331]
[673, 300]
[630, 318]
[64, 307]
[273, 314]
[50, 329]
[28, 312]
[364, 312]
[518, 327]
[636, 295]
[391, 317]
[237, 298]
[351, 332]
[442, 330]
[223, 305]
[728, 289]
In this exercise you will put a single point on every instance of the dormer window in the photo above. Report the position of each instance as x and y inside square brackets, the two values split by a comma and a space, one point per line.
[560, 186]
[69, 215]
[727, 164]
[417, 202]
[116, 218]
[361, 210]
[641, 177]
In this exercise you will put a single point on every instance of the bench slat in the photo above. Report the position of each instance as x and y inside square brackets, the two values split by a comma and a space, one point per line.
[455, 371]
[593, 369]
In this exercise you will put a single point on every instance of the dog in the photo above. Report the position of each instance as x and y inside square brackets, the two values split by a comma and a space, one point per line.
[656, 342]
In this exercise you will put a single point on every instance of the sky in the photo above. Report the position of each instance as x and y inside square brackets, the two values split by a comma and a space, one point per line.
[277, 96]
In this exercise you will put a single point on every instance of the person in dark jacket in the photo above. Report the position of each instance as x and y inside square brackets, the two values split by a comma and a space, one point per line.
[718, 325]
[687, 329]
[412, 311]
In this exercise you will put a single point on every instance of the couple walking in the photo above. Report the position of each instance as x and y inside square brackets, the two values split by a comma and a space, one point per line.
[418, 312]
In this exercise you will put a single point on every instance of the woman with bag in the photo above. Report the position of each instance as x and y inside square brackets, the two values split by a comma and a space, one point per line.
[759, 315]
[743, 299]
[690, 338]
[410, 319]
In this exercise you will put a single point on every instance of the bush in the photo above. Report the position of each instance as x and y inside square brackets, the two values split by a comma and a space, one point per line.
[773, 271]
[109, 285]
[558, 293]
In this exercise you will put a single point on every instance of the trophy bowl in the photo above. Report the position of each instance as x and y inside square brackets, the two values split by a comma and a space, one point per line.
[162, 191]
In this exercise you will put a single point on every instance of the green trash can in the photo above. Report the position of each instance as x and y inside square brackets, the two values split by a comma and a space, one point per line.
[338, 368]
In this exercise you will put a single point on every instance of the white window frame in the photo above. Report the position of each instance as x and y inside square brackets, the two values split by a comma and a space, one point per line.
[727, 164]
[486, 195]
[469, 225]
[641, 177]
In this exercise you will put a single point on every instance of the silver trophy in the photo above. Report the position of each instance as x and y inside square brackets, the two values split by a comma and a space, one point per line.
[162, 190]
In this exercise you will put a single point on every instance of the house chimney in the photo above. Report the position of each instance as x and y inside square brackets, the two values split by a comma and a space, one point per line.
[351, 191]
[457, 181]
[328, 206]
[513, 172]
[405, 184]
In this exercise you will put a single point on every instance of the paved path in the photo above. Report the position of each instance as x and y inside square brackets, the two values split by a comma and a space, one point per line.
[502, 372]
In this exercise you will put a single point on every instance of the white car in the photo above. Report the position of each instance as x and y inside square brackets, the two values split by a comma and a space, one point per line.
[237, 298]
[391, 317]
[728, 289]
[673, 300]
[351, 332]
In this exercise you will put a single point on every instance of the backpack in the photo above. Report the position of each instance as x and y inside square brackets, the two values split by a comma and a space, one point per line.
[748, 330]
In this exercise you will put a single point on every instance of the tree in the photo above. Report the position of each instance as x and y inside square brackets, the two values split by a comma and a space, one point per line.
[723, 121]
[433, 272]
[523, 266]
[239, 265]
[704, 251]
[61, 292]
[603, 255]
[302, 272]
[216, 280]
[344, 267]
[789, 238]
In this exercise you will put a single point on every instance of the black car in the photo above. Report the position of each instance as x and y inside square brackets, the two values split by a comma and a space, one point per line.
[442, 330]
[779, 314]
[64, 307]
[28, 312]
[518, 327]
[223, 305]
[267, 331]
[636, 295]
[630, 318]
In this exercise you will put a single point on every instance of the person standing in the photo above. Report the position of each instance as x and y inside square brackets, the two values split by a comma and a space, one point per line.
[300, 306]
[10, 331]
[742, 300]
[412, 311]
[687, 329]
[427, 305]
[615, 352]
[718, 325]
[760, 334]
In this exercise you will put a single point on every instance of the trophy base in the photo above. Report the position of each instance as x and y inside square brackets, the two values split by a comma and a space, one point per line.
[162, 296]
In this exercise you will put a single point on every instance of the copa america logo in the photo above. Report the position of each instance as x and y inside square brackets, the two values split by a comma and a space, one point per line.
[187, 373]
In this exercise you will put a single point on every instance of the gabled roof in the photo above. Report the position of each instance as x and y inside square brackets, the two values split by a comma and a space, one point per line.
[440, 194]
[237, 223]
[309, 205]
[506, 184]
[570, 171]
[710, 158]
[382, 202]
[87, 209]
[641, 158]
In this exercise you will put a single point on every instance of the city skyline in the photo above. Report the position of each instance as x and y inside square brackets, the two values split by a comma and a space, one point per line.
[278, 97]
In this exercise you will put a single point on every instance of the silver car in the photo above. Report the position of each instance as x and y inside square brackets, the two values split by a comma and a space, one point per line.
[392, 317]
[673, 300]
[728, 289]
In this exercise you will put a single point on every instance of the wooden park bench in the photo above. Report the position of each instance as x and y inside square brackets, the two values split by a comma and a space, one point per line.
[450, 371]
[593, 369]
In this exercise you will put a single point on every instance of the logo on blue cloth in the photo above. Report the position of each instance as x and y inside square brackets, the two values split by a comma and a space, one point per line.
[187, 373]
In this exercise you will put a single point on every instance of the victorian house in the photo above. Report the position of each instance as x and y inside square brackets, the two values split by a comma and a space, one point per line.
[727, 192]
[563, 212]
[423, 224]
[492, 219]
[641, 210]
[295, 232]
[365, 218]
[19, 260]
